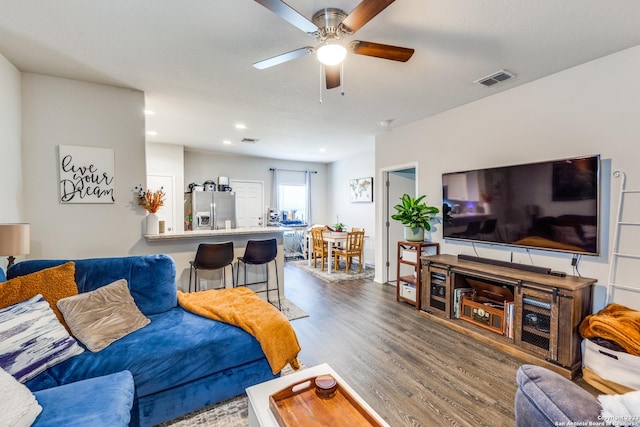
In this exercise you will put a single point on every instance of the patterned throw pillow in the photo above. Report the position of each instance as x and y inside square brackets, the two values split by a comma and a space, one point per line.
[100, 317]
[32, 339]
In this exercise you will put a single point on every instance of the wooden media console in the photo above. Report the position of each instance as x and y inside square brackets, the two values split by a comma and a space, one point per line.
[540, 324]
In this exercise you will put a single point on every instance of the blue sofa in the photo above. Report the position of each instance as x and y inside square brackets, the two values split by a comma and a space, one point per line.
[96, 402]
[180, 361]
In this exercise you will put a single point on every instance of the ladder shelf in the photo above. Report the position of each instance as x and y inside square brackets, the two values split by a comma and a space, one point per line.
[613, 283]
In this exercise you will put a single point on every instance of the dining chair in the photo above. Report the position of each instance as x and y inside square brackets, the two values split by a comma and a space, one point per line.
[211, 256]
[353, 248]
[320, 248]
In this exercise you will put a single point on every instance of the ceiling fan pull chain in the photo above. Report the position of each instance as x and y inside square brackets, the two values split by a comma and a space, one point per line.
[342, 78]
[321, 75]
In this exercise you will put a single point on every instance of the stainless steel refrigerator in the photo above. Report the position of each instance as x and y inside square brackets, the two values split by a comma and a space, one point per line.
[210, 210]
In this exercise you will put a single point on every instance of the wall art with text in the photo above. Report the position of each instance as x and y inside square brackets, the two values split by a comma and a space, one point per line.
[87, 174]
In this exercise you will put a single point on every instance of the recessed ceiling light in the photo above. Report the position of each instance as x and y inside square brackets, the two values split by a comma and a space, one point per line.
[149, 112]
[322, 150]
[226, 142]
[387, 122]
[240, 126]
[152, 133]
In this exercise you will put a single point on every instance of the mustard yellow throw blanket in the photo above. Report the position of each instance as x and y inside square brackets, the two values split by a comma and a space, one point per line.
[243, 308]
[615, 323]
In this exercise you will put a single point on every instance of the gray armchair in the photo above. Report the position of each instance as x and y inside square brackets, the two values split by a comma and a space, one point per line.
[544, 398]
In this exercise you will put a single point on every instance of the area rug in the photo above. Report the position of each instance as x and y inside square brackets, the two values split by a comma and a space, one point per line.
[335, 276]
[228, 413]
[291, 310]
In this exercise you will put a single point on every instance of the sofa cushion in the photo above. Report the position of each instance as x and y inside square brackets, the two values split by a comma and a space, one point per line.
[52, 283]
[32, 339]
[151, 278]
[18, 406]
[98, 318]
[102, 401]
[175, 348]
[544, 398]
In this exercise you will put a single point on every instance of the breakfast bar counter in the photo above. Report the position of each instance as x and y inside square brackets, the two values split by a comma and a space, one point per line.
[182, 247]
[228, 234]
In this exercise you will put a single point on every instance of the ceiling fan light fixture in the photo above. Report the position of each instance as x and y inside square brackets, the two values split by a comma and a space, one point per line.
[331, 53]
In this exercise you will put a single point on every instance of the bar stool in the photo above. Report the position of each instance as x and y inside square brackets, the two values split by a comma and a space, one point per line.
[212, 256]
[260, 252]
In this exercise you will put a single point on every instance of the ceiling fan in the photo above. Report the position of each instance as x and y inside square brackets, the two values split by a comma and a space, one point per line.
[329, 26]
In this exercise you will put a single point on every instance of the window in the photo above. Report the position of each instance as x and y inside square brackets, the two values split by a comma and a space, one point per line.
[292, 200]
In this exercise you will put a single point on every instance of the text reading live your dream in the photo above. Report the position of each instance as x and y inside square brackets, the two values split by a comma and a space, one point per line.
[84, 181]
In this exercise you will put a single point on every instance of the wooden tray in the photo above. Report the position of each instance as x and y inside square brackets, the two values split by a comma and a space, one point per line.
[299, 405]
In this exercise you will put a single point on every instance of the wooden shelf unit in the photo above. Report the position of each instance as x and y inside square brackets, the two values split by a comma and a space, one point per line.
[414, 281]
[548, 309]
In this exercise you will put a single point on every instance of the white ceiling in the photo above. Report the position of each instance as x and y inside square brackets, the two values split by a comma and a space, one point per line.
[192, 58]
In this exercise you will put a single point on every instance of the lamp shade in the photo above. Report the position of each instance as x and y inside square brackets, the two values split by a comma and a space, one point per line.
[14, 239]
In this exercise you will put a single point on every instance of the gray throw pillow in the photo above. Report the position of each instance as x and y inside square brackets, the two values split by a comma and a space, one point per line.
[100, 317]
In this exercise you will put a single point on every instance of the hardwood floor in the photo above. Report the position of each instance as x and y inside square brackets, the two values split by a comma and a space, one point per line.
[414, 372]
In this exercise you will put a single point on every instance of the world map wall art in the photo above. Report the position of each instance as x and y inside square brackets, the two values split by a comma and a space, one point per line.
[361, 190]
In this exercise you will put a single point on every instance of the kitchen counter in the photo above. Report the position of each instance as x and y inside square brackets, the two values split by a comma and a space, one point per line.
[215, 233]
[182, 247]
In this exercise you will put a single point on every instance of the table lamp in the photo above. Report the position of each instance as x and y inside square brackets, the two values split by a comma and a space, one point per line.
[14, 240]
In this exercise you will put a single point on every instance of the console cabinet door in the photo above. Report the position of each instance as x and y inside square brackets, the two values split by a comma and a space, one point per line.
[536, 320]
[436, 290]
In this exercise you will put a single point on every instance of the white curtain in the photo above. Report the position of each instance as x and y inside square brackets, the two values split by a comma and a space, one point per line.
[275, 188]
[308, 188]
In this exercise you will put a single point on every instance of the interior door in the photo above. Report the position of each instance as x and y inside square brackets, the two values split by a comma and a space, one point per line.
[167, 212]
[399, 182]
[250, 207]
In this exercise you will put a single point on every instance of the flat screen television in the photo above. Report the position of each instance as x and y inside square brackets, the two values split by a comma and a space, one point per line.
[552, 205]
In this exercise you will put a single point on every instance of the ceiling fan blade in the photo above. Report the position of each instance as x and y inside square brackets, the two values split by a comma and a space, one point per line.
[332, 75]
[289, 14]
[364, 12]
[279, 59]
[384, 51]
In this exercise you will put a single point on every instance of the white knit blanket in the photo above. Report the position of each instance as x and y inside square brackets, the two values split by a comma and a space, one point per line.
[18, 406]
[621, 409]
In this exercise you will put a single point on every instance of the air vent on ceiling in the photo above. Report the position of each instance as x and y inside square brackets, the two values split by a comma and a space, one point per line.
[250, 140]
[495, 78]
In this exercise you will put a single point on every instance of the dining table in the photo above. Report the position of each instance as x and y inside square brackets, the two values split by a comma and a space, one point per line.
[332, 238]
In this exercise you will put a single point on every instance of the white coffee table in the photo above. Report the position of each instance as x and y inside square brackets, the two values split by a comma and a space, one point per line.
[260, 414]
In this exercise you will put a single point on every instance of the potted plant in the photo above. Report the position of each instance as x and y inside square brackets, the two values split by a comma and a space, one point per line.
[416, 217]
[339, 227]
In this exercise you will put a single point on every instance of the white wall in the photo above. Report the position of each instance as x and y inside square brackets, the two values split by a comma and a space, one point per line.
[10, 132]
[11, 199]
[200, 166]
[59, 111]
[590, 109]
[340, 208]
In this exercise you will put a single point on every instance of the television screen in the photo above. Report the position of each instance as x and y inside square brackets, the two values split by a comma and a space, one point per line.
[550, 205]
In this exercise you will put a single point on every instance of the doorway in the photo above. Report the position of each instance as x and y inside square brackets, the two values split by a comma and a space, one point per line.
[250, 210]
[398, 181]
